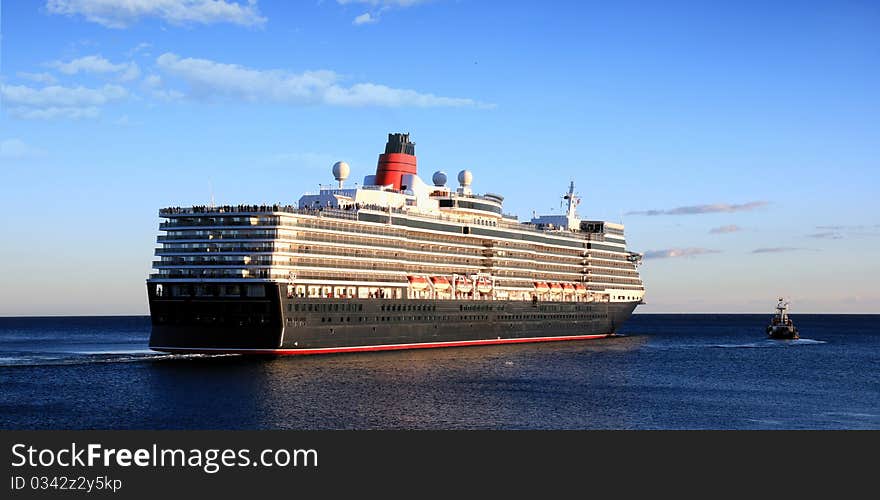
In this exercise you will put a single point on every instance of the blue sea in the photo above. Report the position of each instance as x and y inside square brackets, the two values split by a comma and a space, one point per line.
[664, 372]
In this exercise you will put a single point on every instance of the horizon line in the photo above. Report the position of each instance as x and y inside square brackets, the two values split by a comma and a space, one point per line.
[634, 314]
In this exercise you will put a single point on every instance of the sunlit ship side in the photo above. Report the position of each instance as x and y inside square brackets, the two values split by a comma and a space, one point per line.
[393, 264]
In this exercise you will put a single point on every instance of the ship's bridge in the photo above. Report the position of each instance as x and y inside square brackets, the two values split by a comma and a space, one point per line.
[486, 205]
[570, 221]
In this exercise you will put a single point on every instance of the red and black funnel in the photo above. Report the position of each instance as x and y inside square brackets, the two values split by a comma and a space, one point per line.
[399, 159]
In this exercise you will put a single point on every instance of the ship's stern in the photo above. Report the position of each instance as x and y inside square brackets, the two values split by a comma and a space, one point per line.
[214, 317]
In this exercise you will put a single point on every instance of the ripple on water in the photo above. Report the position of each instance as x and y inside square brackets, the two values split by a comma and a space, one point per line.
[82, 358]
[771, 344]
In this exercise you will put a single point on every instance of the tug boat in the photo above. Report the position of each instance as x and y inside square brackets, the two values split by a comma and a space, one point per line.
[781, 326]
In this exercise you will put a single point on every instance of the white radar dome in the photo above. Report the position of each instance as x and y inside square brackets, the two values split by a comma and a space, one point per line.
[341, 171]
[465, 178]
[439, 178]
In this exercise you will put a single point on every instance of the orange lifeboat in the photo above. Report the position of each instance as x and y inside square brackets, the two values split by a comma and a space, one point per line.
[440, 283]
[484, 285]
[417, 282]
[568, 287]
[541, 287]
[463, 284]
[580, 289]
[555, 288]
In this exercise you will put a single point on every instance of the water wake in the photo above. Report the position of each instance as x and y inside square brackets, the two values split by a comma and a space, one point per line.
[771, 344]
[83, 358]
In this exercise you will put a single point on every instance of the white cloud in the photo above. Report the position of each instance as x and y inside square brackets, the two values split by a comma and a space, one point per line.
[370, 94]
[704, 209]
[388, 3]
[140, 48]
[124, 121]
[827, 235]
[365, 18]
[671, 253]
[379, 6]
[210, 79]
[56, 95]
[46, 78]
[776, 250]
[121, 14]
[58, 102]
[16, 149]
[167, 95]
[152, 84]
[53, 112]
[730, 228]
[153, 81]
[840, 231]
[97, 64]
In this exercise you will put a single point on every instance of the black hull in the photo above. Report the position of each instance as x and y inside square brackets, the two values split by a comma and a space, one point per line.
[782, 333]
[277, 324]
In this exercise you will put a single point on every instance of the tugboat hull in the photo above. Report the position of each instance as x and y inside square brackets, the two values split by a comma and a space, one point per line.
[782, 332]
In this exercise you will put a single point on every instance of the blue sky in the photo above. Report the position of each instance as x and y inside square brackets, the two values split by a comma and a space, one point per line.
[739, 143]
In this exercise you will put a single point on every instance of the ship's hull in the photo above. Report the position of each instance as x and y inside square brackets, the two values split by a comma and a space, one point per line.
[782, 332]
[277, 324]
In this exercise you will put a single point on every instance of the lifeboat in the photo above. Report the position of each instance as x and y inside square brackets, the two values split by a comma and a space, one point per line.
[568, 287]
[440, 283]
[484, 285]
[417, 282]
[555, 288]
[541, 287]
[462, 284]
[580, 289]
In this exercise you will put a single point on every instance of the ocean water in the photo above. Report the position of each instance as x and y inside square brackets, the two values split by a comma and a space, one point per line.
[664, 372]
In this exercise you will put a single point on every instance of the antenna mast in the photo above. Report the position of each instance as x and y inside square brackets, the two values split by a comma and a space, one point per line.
[573, 200]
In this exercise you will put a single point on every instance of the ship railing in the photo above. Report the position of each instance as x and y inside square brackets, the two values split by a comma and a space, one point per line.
[338, 213]
[603, 262]
[316, 259]
[230, 209]
[177, 223]
[241, 262]
[208, 250]
[350, 212]
[375, 243]
[211, 238]
[321, 262]
[386, 254]
[213, 274]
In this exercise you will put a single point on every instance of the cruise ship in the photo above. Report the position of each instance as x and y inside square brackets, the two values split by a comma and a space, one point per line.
[395, 263]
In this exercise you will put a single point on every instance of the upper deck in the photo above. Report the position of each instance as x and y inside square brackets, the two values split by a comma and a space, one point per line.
[396, 233]
[595, 235]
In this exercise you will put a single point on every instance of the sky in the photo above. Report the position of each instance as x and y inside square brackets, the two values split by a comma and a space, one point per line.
[738, 141]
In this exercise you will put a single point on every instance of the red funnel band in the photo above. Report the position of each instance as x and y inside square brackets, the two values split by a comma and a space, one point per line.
[392, 166]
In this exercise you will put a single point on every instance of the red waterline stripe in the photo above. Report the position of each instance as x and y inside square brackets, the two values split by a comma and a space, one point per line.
[369, 348]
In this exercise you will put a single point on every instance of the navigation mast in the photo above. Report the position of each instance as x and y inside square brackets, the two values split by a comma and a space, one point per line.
[573, 201]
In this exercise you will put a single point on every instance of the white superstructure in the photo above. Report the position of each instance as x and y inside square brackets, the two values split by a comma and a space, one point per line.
[397, 236]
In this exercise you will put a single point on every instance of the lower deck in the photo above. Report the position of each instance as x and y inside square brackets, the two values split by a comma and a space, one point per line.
[277, 324]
